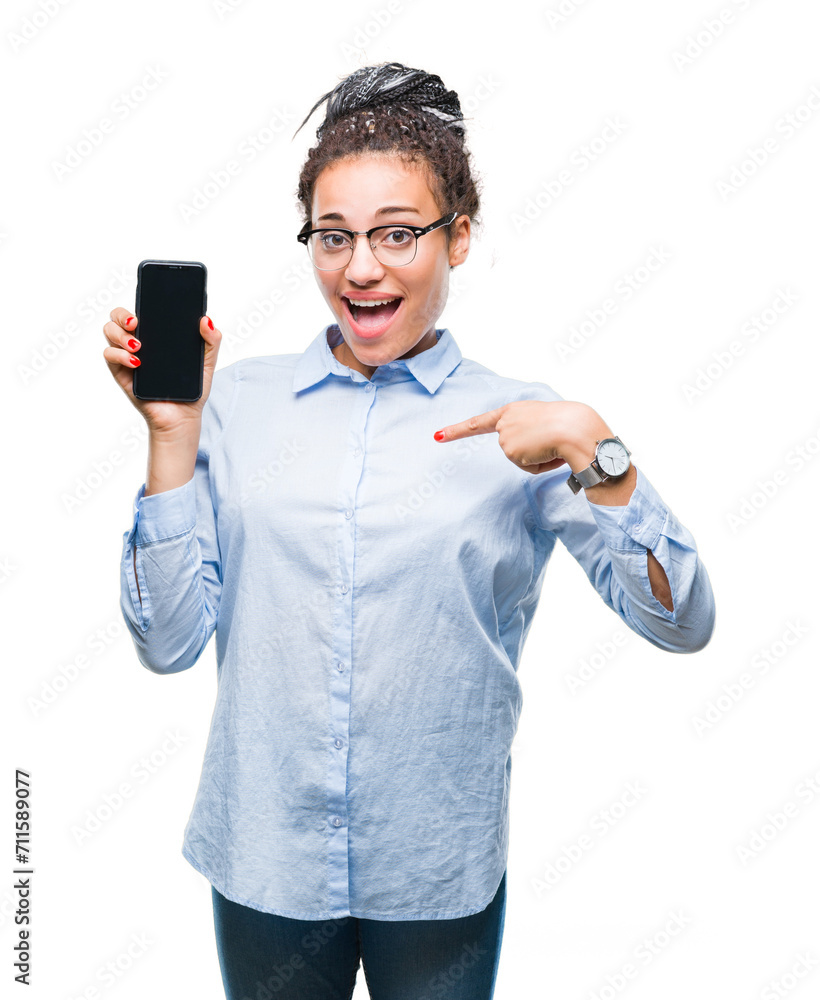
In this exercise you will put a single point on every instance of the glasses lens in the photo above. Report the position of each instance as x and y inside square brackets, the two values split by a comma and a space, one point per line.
[394, 245]
[333, 249]
[330, 250]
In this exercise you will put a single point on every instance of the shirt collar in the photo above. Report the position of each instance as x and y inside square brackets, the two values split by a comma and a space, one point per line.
[430, 367]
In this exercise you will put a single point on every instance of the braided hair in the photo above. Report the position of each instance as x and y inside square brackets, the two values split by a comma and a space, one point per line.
[392, 108]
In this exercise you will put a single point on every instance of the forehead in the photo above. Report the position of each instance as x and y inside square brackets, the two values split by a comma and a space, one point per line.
[357, 186]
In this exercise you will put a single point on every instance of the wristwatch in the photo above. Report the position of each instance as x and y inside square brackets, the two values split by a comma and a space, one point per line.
[611, 462]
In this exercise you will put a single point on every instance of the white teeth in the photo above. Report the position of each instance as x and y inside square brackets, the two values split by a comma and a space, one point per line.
[370, 302]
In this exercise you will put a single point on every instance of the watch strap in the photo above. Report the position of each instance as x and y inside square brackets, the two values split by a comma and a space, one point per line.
[585, 478]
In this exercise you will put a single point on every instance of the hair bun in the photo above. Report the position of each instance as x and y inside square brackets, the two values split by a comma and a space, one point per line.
[391, 83]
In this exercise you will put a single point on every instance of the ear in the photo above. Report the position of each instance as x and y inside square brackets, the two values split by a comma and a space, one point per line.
[460, 241]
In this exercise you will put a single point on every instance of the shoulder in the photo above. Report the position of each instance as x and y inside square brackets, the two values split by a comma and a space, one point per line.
[510, 389]
[230, 385]
[249, 371]
[262, 366]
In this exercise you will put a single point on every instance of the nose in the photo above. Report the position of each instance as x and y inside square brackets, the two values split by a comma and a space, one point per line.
[363, 266]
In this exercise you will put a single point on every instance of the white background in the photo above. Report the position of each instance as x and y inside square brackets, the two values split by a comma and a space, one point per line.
[539, 89]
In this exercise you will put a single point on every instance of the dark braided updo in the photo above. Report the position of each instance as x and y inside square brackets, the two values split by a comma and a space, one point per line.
[391, 108]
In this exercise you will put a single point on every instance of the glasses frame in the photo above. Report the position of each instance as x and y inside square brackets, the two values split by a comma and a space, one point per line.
[417, 231]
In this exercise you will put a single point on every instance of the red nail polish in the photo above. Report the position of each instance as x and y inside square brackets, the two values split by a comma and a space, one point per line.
[134, 361]
[129, 320]
[439, 435]
[210, 324]
[133, 344]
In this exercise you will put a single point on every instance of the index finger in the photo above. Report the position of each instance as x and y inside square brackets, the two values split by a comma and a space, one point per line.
[483, 423]
[124, 318]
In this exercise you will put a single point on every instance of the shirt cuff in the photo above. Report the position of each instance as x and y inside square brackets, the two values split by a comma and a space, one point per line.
[163, 515]
[638, 524]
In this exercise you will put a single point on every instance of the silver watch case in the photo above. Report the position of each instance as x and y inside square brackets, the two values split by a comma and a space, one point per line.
[593, 473]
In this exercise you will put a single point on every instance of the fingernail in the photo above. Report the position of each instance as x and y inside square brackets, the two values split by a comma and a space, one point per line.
[133, 344]
[210, 324]
[129, 320]
[439, 435]
[134, 361]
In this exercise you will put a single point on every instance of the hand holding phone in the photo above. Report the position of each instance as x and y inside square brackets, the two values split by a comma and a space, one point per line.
[127, 346]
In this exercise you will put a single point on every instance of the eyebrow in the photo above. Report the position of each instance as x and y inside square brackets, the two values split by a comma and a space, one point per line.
[337, 217]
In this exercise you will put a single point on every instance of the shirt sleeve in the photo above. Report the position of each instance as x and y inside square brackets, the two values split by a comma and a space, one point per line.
[174, 612]
[611, 543]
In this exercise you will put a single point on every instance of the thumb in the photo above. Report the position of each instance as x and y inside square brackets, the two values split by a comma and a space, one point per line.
[210, 334]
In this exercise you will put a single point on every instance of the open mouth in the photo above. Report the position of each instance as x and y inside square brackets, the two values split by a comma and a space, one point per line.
[370, 319]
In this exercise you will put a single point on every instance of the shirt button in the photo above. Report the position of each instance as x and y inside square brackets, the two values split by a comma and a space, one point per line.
[337, 821]
[340, 665]
[368, 387]
[344, 588]
[348, 512]
[392, 365]
[357, 452]
[338, 742]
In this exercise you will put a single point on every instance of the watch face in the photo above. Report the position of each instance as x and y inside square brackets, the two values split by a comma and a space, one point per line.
[613, 457]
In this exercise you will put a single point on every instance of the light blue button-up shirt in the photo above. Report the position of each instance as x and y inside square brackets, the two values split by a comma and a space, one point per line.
[371, 590]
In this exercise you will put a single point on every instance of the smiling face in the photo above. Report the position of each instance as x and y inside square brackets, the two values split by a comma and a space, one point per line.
[376, 189]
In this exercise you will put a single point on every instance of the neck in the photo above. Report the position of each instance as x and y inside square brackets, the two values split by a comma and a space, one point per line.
[345, 356]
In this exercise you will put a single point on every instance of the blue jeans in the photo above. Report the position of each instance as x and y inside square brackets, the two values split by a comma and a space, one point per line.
[267, 957]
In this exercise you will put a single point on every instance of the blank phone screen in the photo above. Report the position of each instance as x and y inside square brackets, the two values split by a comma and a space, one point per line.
[171, 302]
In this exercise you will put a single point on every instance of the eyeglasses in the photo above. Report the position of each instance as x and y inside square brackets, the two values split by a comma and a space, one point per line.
[393, 246]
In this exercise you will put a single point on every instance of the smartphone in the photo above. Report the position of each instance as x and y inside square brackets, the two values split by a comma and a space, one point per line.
[171, 300]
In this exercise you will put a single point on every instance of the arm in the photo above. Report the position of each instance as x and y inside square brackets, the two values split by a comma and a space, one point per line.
[642, 561]
[617, 493]
[171, 462]
[170, 577]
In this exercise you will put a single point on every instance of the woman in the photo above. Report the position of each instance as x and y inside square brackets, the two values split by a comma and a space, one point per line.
[371, 582]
